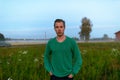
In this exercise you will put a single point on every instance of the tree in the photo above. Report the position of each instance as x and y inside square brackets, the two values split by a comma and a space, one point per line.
[105, 37]
[2, 38]
[85, 29]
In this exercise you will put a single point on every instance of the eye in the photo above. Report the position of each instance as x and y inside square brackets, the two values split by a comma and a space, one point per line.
[56, 26]
[61, 26]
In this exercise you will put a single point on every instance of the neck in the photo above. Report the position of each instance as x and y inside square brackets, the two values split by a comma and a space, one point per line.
[61, 38]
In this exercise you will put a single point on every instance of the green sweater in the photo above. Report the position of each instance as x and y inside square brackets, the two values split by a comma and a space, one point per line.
[62, 58]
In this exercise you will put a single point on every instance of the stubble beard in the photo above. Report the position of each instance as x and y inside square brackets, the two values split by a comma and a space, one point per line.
[60, 35]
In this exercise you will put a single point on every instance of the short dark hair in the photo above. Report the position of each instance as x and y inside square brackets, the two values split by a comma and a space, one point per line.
[59, 20]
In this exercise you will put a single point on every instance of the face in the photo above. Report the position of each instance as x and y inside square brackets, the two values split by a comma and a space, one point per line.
[59, 28]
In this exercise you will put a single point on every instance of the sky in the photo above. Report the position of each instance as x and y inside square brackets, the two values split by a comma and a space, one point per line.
[34, 19]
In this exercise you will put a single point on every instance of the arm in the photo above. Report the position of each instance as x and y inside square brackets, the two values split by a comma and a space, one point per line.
[77, 59]
[47, 63]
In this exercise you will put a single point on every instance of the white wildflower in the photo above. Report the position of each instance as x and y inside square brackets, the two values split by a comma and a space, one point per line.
[115, 52]
[114, 49]
[24, 52]
[10, 78]
[84, 52]
[42, 56]
[19, 59]
[36, 60]
[8, 62]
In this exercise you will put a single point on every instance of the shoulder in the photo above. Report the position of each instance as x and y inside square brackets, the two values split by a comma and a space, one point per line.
[51, 40]
[70, 39]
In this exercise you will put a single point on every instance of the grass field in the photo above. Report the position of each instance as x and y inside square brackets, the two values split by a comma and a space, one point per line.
[101, 61]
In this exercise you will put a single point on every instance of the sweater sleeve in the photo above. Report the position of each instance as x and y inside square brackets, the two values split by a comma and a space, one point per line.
[77, 59]
[47, 63]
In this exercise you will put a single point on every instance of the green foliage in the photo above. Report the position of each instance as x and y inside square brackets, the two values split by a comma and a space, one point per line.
[2, 38]
[101, 61]
[85, 29]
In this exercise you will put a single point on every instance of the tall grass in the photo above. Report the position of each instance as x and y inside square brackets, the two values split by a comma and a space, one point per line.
[101, 61]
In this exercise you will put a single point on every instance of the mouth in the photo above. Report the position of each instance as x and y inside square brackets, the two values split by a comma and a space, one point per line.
[59, 32]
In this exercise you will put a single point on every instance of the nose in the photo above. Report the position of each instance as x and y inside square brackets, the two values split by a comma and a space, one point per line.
[59, 28]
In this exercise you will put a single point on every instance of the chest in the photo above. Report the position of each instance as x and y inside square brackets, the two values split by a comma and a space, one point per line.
[61, 47]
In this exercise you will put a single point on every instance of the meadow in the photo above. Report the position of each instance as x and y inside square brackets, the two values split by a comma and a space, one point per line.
[101, 61]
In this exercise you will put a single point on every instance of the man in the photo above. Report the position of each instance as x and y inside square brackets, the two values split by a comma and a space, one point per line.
[62, 58]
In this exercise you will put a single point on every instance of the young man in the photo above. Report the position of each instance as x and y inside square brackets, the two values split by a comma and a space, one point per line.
[62, 58]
